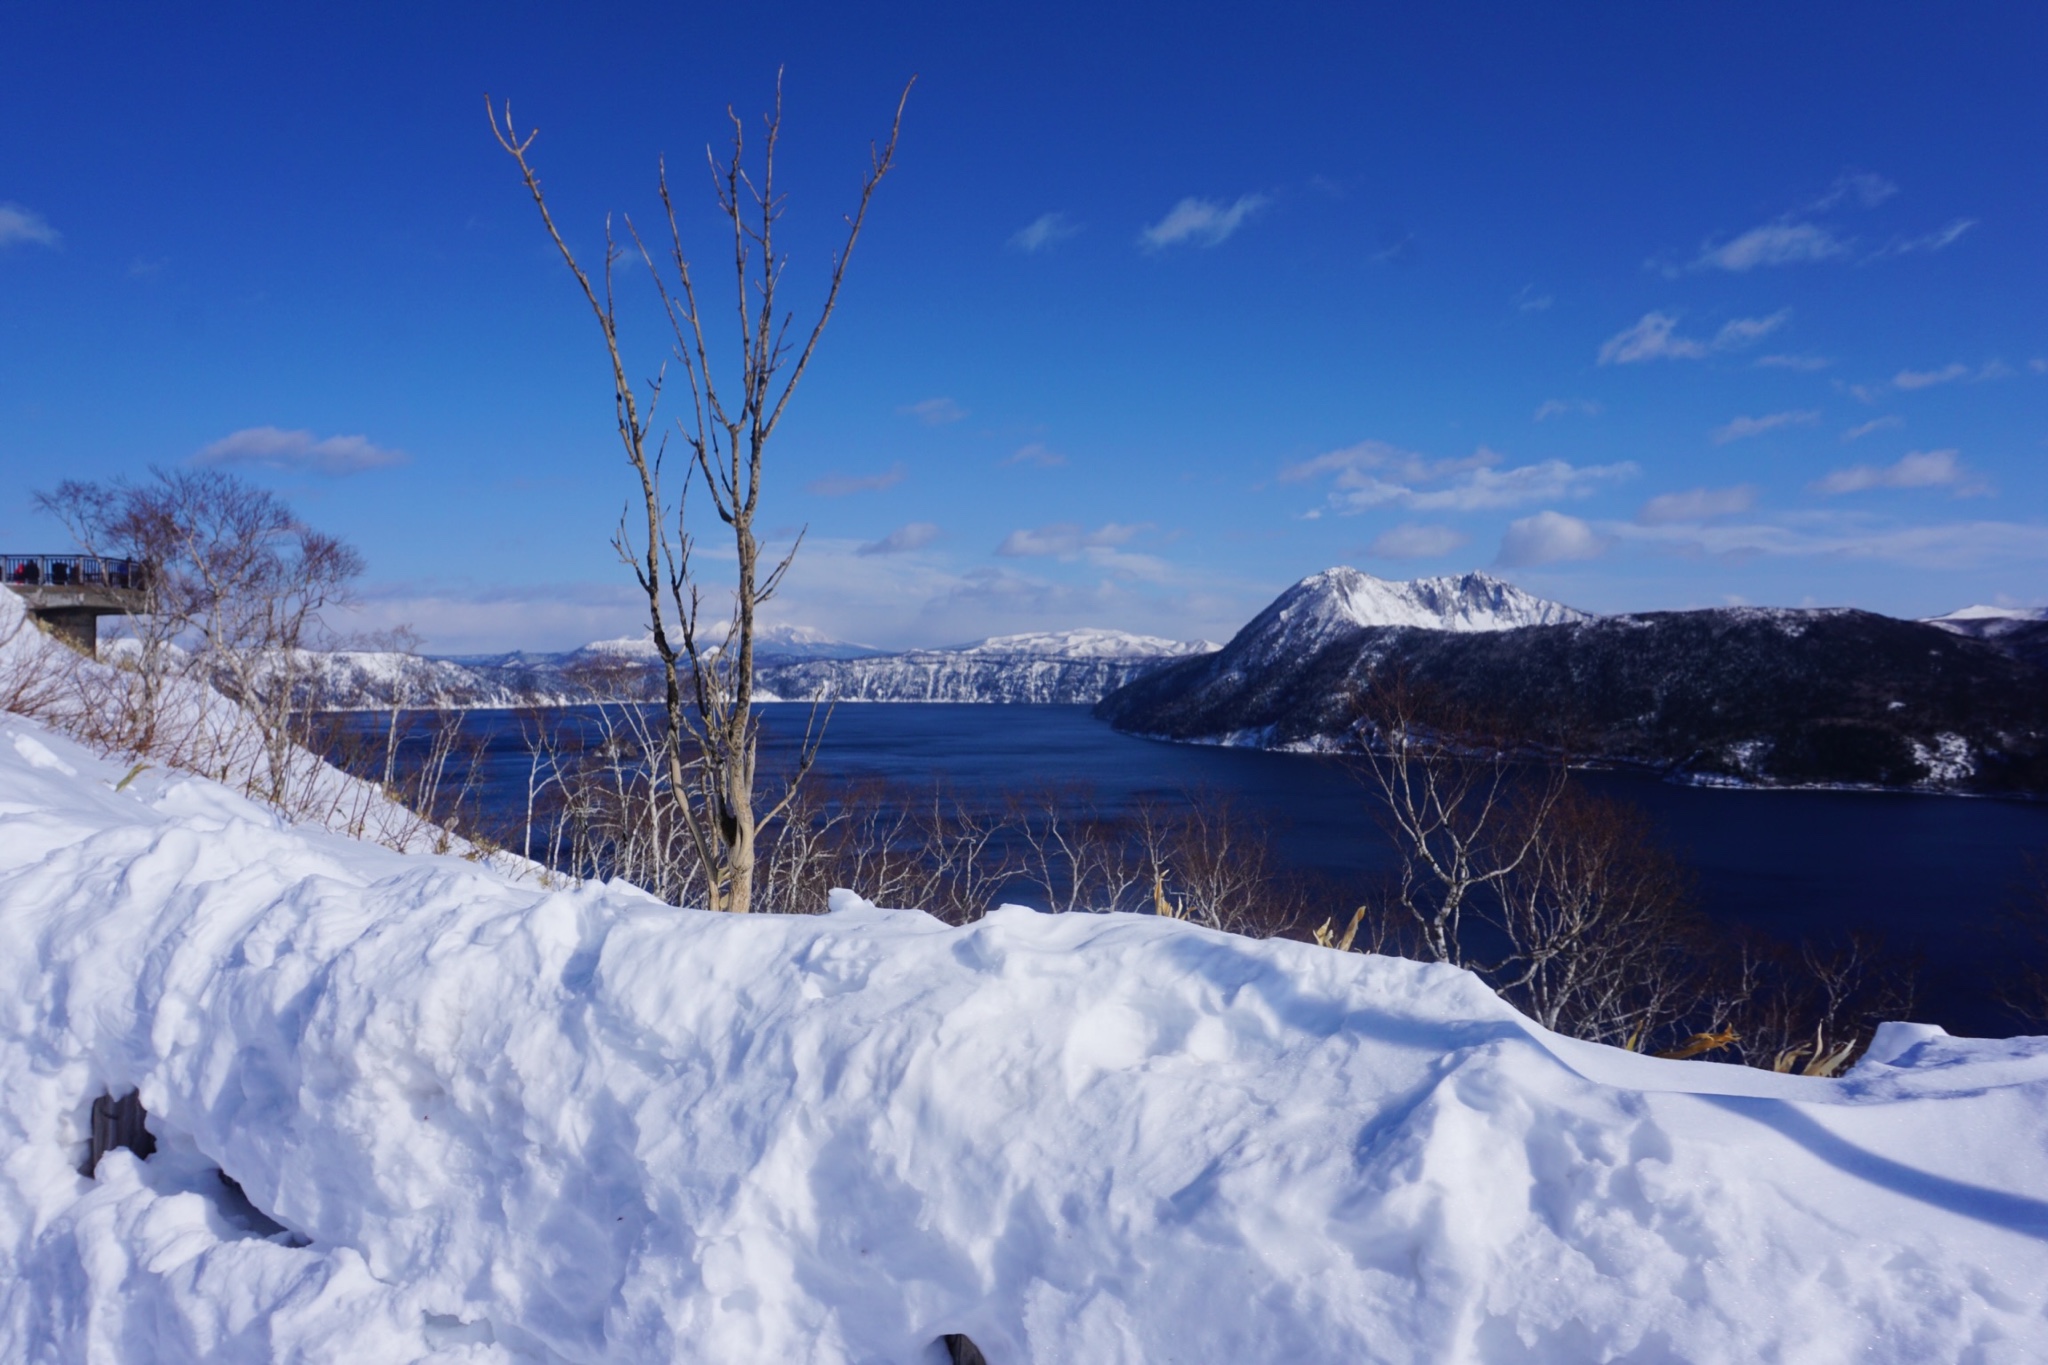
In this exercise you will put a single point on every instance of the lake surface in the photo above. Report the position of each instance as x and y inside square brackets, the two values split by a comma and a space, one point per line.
[1931, 873]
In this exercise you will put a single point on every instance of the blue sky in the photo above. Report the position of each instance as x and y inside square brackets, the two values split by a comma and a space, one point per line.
[1641, 306]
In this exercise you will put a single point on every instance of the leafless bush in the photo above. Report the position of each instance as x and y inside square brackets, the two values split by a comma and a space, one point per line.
[1599, 936]
[1462, 813]
[2024, 992]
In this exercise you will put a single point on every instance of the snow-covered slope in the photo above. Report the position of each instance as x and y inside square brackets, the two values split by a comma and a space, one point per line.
[1472, 601]
[1053, 666]
[2020, 631]
[1969, 620]
[501, 1124]
[1339, 601]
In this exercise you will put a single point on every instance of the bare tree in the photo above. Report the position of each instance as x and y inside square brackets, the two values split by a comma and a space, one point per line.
[133, 522]
[712, 733]
[1597, 925]
[1463, 814]
[232, 569]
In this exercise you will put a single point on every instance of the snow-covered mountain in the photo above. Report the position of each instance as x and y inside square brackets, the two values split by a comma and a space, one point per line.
[1763, 696]
[1070, 666]
[793, 663]
[1342, 601]
[2020, 631]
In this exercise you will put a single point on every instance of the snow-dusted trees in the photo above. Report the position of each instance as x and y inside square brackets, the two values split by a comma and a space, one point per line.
[712, 736]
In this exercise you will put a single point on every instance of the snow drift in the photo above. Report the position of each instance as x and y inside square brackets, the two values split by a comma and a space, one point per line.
[497, 1122]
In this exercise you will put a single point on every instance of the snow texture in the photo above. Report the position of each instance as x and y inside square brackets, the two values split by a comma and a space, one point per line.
[502, 1123]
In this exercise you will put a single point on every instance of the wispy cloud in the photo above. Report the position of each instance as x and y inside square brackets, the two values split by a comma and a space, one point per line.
[1416, 542]
[1067, 538]
[299, 452]
[1937, 240]
[911, 536]
[1743, 427]
[1793, 362]
[1945, 546]
[934, 412]
[1772, 244]
[1036, 453]
[1863, 429]
[1375, 474]
[1920, 469]
[1549, 538]
[19, 224]
[1655, 337]
[1046, 230]
[1794, 238]
[1202, 222]
[1910, 380]
[1698, 504]
[1865, 188]
[1529, 300]
[842, 485]
[1565, 407]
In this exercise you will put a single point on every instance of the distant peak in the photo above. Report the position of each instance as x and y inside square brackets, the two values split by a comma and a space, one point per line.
[1473, 601]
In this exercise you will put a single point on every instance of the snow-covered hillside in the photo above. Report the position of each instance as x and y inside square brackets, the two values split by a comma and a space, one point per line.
[1071, 666]
[504, 1124]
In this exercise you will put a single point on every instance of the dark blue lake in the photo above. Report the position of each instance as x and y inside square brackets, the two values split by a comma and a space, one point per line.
[1929, 873]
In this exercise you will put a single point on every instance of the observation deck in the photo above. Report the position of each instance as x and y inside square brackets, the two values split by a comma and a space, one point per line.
[70, 593]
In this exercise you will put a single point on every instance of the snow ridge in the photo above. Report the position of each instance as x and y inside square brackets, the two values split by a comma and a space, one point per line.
[505, 1124]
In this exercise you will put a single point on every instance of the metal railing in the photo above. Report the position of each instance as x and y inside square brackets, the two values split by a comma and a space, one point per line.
[73, 571]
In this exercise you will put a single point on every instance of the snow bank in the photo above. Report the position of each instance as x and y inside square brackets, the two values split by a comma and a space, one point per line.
[198, 730]
[505, 1124]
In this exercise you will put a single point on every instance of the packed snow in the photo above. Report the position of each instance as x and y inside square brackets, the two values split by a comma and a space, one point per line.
[477, 1120]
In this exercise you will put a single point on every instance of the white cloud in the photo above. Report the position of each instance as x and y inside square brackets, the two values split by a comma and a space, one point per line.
[2039, 365]
[1067, 538]
[299, 451]
[1204, 222]
[1562, 407]
[1698, 504]
[1793, 362]
[1741, 331]
[1937, 240]
[1048, 229]
[1655, 337]
[1743, 427]
[1865, 188]
[1037, 454]
[1529, 301]
[934, 412]
[1549, 538]
[1954, 545]
[1927, 379]
[1374, 474]
[912, 536]
[1858, 432]
[1416, 542]
[1652, 338]
[18, 224]
[842, 485]
[1792, 239]
[1920, 469]
[1772, 244]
